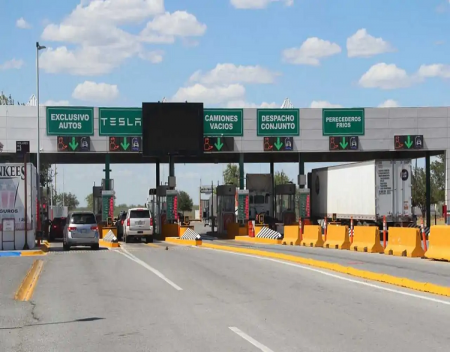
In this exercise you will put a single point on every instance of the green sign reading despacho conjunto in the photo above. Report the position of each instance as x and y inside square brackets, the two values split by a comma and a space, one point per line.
[70, 121]
[123, 122]
[223, 122]
[343, 122]
[278, 122]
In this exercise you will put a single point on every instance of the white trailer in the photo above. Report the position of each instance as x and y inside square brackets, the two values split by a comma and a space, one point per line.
[366, 191]
[57, 211]
[12, 206]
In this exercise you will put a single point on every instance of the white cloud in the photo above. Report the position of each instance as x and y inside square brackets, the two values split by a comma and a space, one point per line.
[21, 23]
[101, 45]
[230, 73]
[386, 76]
[319, 104]
[362, 44]
[244, 104]
[257, 4]
[56, 103]
[210, 95]
[310, 52]
[95, 92]
[434, 70]
[390, 103]
[12, 64]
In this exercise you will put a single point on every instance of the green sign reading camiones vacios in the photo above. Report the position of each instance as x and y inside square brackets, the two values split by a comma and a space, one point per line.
[223, 122]
[343, 122]
[70, 121]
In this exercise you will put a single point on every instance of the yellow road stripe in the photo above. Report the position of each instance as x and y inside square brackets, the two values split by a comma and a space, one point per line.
[368, 275]
[28, 285]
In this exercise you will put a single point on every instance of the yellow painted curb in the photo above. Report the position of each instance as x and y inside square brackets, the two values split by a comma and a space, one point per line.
[103, 243]
[184, 242]
[26, 288]
[257, 240]
[33, 253]
[368, 275]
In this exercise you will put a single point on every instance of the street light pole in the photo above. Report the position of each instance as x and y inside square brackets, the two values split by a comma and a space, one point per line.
[38, 158]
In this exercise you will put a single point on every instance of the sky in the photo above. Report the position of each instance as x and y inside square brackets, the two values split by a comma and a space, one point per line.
[226, 53]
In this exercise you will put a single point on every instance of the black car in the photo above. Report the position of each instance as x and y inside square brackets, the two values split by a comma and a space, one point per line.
[56, 229]
[119, 224]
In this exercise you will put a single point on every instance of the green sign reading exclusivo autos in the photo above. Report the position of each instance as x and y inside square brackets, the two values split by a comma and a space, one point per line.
[278, 122]
[70, 121]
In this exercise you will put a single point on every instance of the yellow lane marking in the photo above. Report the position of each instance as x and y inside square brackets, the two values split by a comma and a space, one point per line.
[368, 275]
[28, 285]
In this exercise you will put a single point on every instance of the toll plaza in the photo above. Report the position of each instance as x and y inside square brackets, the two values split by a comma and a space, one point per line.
[86, 135]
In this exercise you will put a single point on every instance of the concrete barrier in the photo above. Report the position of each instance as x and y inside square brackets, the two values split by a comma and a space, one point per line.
[366, 239]
[291, 235]
[337, 237]
[312, 236]
[404, 242]
[439, 243]
[185, 242]
[258, 240]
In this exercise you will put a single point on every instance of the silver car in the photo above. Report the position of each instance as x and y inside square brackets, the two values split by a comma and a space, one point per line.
[81, 229]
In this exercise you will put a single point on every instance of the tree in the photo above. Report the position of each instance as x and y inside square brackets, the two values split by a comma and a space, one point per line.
[46, 174]
[89, 201]
[70, 200]
[280, 178]
[437, 168]
[231, 175]
[185, 202]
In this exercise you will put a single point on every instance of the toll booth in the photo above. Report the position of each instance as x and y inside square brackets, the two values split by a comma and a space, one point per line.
[160, 207]
[285, 203]
[226, 207]
[97, 200]
[151, 205]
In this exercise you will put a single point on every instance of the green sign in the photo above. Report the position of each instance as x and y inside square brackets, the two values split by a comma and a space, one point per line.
[70, 121]
[107, 207]
[343, 122]
[223, 122]
[278, 122]
[243, 208]
[119, 122]
[172, 205]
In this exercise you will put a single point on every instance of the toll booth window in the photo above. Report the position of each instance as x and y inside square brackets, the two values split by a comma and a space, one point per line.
[139, 214]
[250, 200]
[267, 198]
[259, 199]
[79, 219]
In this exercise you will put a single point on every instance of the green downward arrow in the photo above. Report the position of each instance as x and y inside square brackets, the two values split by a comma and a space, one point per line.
[125, 144]
[409, 142]
[278, 144]
[73, 144]
[343, 144]
[218, 145]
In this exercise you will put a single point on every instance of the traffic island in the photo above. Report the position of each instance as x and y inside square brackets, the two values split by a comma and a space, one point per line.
[106, 244]
[258, 240]
[185, 242]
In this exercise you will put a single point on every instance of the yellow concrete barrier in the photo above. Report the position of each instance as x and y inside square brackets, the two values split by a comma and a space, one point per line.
[183, 229]
[439, 243]
[106, 244]
[337, 237]
[106, 229]
[312, 236]
[291, 235]
[366, 239]
[258, 228]
[184, 242]
[257, 240]
[404, 242]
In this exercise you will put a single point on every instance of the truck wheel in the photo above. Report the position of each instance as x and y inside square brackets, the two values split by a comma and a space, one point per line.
[126, 239]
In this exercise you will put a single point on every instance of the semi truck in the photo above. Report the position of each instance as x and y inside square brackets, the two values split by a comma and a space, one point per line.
[365, 191]
[260, 194]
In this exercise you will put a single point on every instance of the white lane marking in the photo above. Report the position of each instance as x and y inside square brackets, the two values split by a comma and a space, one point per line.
[431, 299]
[250, 339]
[148, 267]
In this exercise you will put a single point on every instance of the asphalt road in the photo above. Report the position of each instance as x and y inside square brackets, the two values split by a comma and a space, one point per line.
[147, 298]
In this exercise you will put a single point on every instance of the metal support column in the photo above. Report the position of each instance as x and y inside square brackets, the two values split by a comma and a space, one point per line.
[158, 173]
[272, 174]
[107, 171]
[171, 166]
[428, 188]
[301, 166]
[241, 171]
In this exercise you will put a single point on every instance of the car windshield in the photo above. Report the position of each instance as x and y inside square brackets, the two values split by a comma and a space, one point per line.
[140, 214]
[83, 219]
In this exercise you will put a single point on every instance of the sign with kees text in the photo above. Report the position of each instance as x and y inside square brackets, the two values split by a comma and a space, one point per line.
[121, 122]
[343, 122]
[70, 121]
[278, 122]
[223, 122]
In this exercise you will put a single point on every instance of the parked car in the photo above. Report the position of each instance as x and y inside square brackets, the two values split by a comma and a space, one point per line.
[81, 229]
[138, 224]
[56, 229]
